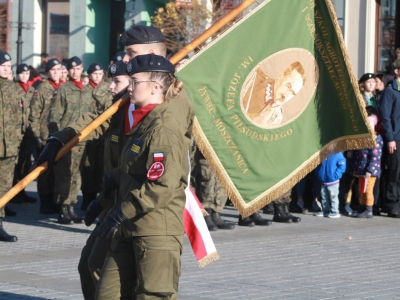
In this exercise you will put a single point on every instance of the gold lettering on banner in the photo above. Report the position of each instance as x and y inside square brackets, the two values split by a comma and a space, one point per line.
[265, 137]
[207, 100]
[232, 91]
[231, 145]
[330, 58]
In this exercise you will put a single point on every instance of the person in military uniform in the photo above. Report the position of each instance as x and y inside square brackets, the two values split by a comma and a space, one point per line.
[27, 144]
[95, 251]
[64, 73]
[93, 166]
[11, 131]
[38, 120]
[152, 178]
[210, 192]
[72, 101]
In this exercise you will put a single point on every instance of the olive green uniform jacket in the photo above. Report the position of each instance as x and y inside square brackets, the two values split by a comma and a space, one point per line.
[153, 206]
[11, 118]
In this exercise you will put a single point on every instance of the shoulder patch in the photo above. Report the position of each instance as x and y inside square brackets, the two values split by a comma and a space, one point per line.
[136, 146]
[114, 138]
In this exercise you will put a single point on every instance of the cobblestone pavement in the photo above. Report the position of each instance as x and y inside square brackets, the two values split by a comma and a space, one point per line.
[318, 258]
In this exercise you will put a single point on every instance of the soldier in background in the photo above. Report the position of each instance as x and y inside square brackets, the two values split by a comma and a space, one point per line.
[64, 73]
[38, 119]
[11, 131]
[72, 101]
[27, 144]
[208, 189]
[281, 209]
[93, 166]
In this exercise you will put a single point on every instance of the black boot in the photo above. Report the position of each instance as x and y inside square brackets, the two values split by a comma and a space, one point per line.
[280, 215]
[258, 220]
[9, 212]
[73, 215]
[64, 217]
[87, 198]
[4, 236]
[219, 222]
[289, 215]
[210, 224]
[45, 206]
[245, 221]
[269, 209]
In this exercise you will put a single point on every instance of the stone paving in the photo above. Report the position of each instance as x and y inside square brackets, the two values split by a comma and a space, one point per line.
[318, 258]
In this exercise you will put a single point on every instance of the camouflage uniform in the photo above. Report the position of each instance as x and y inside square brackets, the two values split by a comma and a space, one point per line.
[65, 109]
[93, 166]
[205, 183]
[27, 144]
[38, 119]
[11, 131]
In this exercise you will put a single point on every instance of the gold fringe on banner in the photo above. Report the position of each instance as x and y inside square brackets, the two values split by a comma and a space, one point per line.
[208, 259]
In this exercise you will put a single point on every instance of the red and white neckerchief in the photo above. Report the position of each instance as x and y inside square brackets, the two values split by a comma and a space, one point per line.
[157, 168]
[129, 117]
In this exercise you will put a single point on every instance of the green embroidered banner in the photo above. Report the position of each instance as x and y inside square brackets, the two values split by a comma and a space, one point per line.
[274, 96]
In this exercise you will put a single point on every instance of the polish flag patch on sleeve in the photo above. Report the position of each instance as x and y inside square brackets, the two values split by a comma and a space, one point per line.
[157, 168]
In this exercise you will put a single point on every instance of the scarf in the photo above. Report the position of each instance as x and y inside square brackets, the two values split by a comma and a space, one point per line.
[78, 83]
[54, 84]
[138, 115]
[24, 86]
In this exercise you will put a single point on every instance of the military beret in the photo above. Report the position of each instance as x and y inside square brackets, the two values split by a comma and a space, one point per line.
[366, 76]
[95, 67]
[73, 62]
[119, 56]
[149, 63]
[140, 34]
[51, 63]
[117, 68]
[4, 57]
[22, 68]
[396, 64]
[63, 66]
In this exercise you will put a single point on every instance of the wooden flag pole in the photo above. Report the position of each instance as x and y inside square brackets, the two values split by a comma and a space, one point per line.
[121, 102]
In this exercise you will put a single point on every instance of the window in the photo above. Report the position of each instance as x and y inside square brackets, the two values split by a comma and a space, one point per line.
[57, 35]
[386, 15]
[339, 6]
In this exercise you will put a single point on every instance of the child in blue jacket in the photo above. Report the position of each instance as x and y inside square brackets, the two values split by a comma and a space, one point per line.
[329, 173]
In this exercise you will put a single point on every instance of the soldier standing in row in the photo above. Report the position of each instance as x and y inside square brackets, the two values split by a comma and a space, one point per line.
[27, 144]
[11, 131]
[72, 101]
[93, 167]
[38, 119]
[64, 73]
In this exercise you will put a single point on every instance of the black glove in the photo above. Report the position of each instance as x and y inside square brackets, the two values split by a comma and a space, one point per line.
[92, 212]
[48, 154]
[110, 224]
[109, 185]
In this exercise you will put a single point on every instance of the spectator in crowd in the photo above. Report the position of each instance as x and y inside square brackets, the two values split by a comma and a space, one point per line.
[367, 85]
[367, 166]
[329, 173]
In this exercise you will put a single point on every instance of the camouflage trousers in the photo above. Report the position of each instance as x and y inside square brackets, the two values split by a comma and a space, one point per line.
[285, 198]
[93, 168]
[7, 166]
[68, 176]
[24, 156]
[208, 189]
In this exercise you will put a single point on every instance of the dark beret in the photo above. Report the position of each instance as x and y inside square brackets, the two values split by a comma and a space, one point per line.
[95, 67]
[149, 63]
[51, 63]
[366, 76]
[4, 57]
[73, 62]
[22, 68]
[118, 56]
[117, 68]
[63, 66]
[140, 34]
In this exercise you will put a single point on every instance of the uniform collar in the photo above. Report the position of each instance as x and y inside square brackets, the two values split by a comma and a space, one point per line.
[142, 127]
